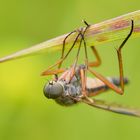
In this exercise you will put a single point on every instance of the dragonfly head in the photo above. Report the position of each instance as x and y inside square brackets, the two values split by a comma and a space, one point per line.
[53, 90]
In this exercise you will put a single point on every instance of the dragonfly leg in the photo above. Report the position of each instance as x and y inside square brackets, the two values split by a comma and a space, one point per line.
[83, 72]
[62, 59]
[85, 22]
[120, 56]
[81, 32]
[53, 72]
[60, 70]
[99, 76]
[77, 56]
[83, 85]
[63, 48]
[98, 59]
[59, 62]
[64, 42]
[78, 52]
[106, 81]
[83, 81]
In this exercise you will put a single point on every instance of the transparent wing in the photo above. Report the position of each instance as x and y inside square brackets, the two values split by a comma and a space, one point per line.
[106, 31]
[113, 107]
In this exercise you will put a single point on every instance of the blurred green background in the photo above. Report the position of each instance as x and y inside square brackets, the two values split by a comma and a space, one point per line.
[25, 113]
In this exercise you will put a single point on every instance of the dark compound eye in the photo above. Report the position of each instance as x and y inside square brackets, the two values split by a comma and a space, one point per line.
[53, 90]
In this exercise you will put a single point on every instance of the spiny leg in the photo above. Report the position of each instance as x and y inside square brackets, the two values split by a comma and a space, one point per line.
[111, 85]
[83, 85]
[62, 59]
[82, 39]
[83, 81]
[72, 70]
[120, 56]
[96, 63]
[59, 62]
[90, 64]
[63, 48]
[86, 23]
[98, 59]
[78, 52]
[83, 71]
[72, 73]
[64, 42]
[107, 82]
[85, 46]
[53, 72]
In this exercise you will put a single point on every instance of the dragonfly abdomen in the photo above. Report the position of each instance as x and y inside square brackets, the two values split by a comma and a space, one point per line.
[96, 86]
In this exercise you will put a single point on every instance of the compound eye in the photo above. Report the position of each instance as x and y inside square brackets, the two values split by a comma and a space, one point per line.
[53, 90]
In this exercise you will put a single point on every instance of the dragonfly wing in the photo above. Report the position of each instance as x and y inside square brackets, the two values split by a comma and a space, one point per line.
[113, 107]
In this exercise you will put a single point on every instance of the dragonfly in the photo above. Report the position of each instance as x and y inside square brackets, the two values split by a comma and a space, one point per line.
[70, 93]
[74, 86]
[75, 78]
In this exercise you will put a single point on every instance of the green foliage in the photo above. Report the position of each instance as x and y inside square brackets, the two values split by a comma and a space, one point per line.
[25, 113]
